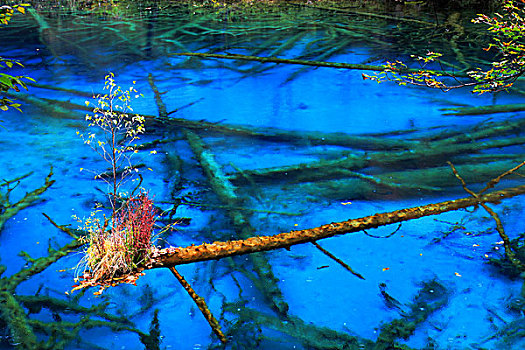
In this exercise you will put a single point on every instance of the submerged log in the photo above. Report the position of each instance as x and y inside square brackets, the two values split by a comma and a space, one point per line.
[482, 110]
[201, 304]
[429, 155]
[225, 191]
[314, 63]
[66, 109]
[308, 334]
[405, 182]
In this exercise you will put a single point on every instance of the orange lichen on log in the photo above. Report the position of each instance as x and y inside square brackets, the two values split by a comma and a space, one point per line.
[169, 257]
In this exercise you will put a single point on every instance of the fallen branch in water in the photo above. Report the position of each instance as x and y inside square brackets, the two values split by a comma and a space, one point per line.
[511, 255]
[8, 210]
[339, 65]
[482, 110]
[201, 304]
[178, 256]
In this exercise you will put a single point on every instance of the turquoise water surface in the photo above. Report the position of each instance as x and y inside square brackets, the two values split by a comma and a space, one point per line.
[432, 275]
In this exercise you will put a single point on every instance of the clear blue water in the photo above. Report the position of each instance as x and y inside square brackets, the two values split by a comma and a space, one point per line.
[77, 51]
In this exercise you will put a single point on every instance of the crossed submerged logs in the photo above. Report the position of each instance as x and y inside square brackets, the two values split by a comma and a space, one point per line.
[261, 273]
[29, 333]
[19, 327]
[173, 256]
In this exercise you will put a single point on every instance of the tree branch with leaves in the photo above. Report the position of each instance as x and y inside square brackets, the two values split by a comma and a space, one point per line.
[8, 81]
[506, 28]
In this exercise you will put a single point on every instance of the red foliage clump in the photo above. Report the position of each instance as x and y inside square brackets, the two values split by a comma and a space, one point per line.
[137, 218]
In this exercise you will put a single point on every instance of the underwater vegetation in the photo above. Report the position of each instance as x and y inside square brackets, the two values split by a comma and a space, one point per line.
[199, 164]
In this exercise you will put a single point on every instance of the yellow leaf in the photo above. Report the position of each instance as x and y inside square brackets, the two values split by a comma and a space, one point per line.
[21, 9]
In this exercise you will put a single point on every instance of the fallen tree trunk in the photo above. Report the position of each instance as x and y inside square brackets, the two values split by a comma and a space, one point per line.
[168, 257]
[339, 65]
[429, 155]
[66, 109]
[404, 183]
[482, 110]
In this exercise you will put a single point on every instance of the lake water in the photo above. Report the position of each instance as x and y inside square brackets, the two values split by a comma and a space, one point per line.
[431, 276]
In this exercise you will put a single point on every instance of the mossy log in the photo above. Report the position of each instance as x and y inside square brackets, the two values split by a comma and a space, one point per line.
[404, 182]
[482, 110]
[429, 155]
[66, 109]
[11, 312]
[165, 258]
[8, 210]
[347, 10]
[432, 296]
[338, 65]
[485, 129]
[307, 334]
[225, 191]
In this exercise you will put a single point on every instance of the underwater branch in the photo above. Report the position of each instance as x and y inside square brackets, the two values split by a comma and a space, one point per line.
[339, 65]
[170, 257]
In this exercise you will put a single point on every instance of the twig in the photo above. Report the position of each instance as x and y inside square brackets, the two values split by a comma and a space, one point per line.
[61, 227]
[337, 260]
[494, 181]
[17, 179]
[387, 236]
[499, 226]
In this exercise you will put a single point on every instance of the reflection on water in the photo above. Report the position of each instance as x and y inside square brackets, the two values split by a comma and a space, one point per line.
[297, 147]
